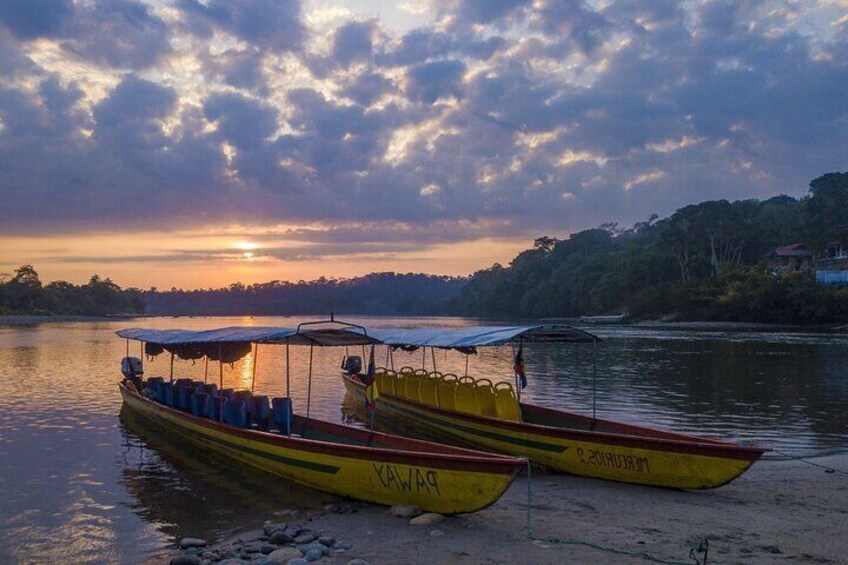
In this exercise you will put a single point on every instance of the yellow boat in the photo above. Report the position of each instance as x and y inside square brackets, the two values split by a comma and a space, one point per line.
[357, 463]
[484, 415]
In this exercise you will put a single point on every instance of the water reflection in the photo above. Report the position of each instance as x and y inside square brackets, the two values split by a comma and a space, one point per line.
[187, 491]
[81, 485]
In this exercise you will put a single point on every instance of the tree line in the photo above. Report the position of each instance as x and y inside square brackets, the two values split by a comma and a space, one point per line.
[23, 293]
[704, 262]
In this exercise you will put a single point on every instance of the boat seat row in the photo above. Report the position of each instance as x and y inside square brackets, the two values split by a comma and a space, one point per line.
[449, 392]
[238, 408]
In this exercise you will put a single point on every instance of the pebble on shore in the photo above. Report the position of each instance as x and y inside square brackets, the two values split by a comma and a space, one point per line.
[275, 544]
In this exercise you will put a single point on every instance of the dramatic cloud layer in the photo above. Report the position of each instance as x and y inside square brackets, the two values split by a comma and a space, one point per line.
[514, 117]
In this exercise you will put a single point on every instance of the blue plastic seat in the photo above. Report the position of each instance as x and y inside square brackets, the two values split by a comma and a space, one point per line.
[247, 397]
[169, 394]
[228, 393]
[283, 414]
[199, 404]
[152, 382]
[182, 382]
[160, 392]
[261, 412]
[235, 413]
[215, 405]
[211, 389]
[182, 397]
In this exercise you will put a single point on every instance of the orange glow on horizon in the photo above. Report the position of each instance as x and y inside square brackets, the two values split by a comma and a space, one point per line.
[199, 260]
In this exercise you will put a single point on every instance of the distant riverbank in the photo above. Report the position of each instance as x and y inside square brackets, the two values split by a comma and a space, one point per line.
[30, 320]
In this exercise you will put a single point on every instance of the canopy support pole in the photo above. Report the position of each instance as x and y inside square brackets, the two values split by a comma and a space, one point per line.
[205, 369]
[424, 358]
[467, 355]
[514, 374]
[172, 367]
[308, 390]
[128, 347]
[220, 385]
[594, 379]
[388, 354]
[253, 379]
[141, 353]
[370, 389]
[288, 387]
[433, 352]
[391, 356]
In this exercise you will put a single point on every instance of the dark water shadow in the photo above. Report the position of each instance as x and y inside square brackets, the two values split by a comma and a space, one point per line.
[185, 490]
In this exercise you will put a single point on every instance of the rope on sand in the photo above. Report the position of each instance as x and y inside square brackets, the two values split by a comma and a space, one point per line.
[702, 547]
[827, 468]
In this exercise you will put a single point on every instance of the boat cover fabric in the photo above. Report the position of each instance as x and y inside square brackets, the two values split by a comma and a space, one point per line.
[256, 334]
[480, 336]
[462, 338]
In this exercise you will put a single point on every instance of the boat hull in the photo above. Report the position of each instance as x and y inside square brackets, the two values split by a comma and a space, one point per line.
[444, 480]
[631, 454]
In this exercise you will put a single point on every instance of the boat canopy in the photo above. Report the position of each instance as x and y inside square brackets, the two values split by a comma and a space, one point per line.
[480, 336]
[257, 334]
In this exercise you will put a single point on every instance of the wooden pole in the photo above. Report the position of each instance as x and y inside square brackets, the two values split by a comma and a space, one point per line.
[309, 385]
[594, 378]
[253, 380]
[433, 352]
[220, 385]
[288, 387]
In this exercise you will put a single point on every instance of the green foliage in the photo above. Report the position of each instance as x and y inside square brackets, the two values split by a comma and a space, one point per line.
[704, 262]
[25, 294]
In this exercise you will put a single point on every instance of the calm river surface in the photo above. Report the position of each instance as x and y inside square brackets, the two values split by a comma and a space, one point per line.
[82, 482]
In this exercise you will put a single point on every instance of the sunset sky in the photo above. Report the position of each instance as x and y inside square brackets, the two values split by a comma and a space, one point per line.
[195, 143]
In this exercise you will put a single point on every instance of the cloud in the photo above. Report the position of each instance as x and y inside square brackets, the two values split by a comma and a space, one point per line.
[118, 33]
[31, 19]
[428, 82]
[352, 42]
[546, 116]
[268, 24]
[135, 99]
[244, 122]
[486, 12]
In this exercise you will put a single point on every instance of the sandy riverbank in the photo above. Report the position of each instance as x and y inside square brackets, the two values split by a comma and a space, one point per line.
[780, 511]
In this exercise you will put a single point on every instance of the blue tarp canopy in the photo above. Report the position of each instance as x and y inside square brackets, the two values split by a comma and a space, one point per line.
[236, 334]
[480, 336]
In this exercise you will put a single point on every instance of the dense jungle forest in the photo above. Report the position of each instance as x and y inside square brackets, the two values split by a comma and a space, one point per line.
[706, 261]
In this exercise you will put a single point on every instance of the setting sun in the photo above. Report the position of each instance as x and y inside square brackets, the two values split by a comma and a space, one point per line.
[246, 246]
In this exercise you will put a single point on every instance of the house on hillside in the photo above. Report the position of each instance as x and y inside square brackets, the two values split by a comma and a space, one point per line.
[790, 258]
[832, 269]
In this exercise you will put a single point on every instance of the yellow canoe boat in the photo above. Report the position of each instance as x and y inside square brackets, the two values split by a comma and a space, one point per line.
[356, 463]
[478, 413]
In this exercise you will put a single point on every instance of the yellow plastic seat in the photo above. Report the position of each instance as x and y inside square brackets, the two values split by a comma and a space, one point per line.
[507, 403]
[412, 383]
[386, 381]
[428, 390]
[466, 400]
[447, 391]
[400, 384]
[486, 398]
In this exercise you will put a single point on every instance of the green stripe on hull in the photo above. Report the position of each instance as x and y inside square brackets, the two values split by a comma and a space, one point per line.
[320, 467]
[542, 446]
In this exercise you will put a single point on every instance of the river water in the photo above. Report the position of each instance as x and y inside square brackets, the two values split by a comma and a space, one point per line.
[83, 482]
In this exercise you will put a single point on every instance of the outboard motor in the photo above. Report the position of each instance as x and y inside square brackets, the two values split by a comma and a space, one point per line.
[352, 364]
[132, 370]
